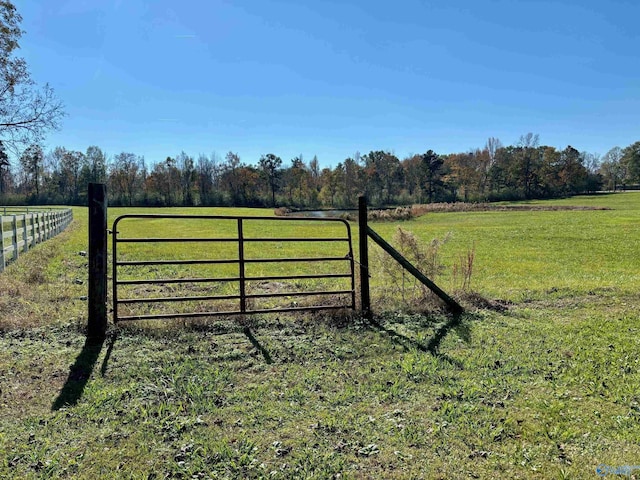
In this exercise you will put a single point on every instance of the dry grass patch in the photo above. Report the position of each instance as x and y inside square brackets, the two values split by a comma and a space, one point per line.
[43, 283]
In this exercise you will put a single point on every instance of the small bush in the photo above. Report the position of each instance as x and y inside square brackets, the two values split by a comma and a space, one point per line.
[401, 290]
[390, 215]
[281, 211]
[400, 283]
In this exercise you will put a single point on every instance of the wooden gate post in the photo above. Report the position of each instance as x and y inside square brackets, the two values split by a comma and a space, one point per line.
[3, 260]
[97, 324]
[363, 234]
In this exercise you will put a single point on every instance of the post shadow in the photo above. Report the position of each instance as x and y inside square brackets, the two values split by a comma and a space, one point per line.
[254, 341]
[455, 322]
[397, 338]
[110, 342]
[79, 374]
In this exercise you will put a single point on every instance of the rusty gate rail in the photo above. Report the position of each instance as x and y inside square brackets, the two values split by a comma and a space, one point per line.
[241, 261]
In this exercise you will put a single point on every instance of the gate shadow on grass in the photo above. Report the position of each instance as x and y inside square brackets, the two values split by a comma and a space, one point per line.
[455, 322]
[258, 346]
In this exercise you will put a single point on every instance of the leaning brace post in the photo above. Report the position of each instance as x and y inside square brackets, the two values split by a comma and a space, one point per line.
[397, 256]
[365, 297]
[97, 325]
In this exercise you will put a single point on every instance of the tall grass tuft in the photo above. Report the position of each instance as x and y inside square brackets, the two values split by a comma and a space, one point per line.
[462, 270]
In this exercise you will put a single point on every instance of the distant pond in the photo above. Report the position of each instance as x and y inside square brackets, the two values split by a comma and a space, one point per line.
[324, 213]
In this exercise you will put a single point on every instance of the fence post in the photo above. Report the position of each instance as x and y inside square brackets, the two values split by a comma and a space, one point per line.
[25, 234]
[33, 230]
[39, 228]
[46, 226]
[3, 261]
[97, 324]
[241, 269]
[14, 238]
[365, 297]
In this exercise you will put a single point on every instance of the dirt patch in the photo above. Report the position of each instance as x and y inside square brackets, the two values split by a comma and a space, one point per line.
[478, 301]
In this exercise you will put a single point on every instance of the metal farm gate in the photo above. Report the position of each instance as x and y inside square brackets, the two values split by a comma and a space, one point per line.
[190, 252]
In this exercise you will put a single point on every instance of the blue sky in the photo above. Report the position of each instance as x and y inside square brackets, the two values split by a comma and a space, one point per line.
[330, 78]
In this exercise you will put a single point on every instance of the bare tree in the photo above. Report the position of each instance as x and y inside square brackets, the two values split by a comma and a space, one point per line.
[125, 176]
[4, 168]
[528, 160]
[187, 178]
[314, 168]
[591, 161]
[529, 140]
[26, 112]
[32, 162]
[97, 164]
[231, 175]
[613, 171]
[270, 166]
[70, 170]
[492, 146]
[207, 173]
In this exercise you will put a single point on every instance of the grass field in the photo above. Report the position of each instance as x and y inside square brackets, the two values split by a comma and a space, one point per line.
[538, 380]
[263, 239]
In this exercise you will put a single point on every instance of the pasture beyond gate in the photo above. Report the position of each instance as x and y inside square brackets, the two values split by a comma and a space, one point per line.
[223, 259]
[211, 265]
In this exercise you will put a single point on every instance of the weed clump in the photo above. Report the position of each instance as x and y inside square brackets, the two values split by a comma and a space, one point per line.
[462, 270]
[281, 211]
[402, 290]
[400, 285]
[391, 215]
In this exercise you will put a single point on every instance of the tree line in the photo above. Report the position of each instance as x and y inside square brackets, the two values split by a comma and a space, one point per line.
[526, 170]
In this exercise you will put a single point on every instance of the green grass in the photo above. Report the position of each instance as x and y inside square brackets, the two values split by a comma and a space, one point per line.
[522, 255]
[542, 383]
